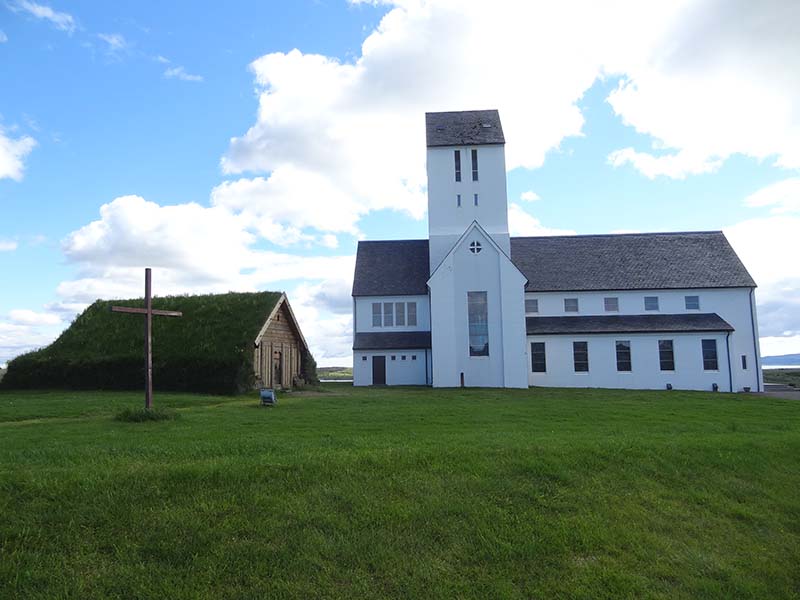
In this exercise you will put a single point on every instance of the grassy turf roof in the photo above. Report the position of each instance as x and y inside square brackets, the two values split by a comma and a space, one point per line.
[213, 325]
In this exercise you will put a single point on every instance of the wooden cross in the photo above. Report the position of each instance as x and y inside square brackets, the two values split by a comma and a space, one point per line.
[148, 313]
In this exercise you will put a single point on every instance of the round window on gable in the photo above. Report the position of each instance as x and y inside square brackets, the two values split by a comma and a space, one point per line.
[475, 247]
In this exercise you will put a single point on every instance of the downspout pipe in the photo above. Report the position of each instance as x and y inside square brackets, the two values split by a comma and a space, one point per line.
[730, 370]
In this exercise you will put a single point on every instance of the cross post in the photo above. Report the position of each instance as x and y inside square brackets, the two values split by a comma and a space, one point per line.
[148, 313]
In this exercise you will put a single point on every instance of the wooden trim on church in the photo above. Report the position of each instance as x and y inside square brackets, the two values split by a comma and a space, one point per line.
[279, 348]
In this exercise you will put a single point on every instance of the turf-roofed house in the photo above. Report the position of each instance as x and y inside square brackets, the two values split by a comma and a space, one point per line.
[473, 306]
[225, 343]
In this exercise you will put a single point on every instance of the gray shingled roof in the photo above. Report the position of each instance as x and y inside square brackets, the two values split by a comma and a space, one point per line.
[629, 262]
[571, 263]
[464, 128]
[694, 322]
[393, 340]
[391, 268]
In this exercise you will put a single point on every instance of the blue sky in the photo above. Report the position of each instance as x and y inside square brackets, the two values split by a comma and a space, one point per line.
[250, 145]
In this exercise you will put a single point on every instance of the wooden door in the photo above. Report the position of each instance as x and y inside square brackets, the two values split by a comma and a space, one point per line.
[378, 370]
[277, 369]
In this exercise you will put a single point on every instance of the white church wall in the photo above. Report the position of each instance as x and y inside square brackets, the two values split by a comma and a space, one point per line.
[645, 373]
[463, 271]
[411, 371]
[446, 220]
[732, 304]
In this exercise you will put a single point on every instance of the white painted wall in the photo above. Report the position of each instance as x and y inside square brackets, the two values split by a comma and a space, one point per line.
[446, 221]
[363, 313]
[732, 304]
[646, 372]
[398, 371]
[490, 271]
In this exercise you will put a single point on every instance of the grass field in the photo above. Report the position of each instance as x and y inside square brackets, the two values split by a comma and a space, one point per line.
[401, 493]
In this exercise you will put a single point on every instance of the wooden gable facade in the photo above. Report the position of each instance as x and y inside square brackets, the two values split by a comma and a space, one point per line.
[279, 349]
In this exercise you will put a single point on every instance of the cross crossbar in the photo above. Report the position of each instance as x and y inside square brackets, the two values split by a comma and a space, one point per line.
[143, 311]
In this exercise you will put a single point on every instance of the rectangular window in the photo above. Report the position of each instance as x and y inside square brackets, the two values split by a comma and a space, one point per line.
[478, 315]
[474, 165]
[376, 314]
[570, 305]
[623, 356]
[363, 358]
[710, 355]
[475, 199]
[611, 304]
[413, 357]
[412, 314]
[666, 355]
[744, 362]
[531, 305]
[403, 357]
[538, 361]
[394, 358]
[580, 356]
[388, 314]
[457, 155]
[400, 314]
[458, 200]
[692, 302]
[651, 302]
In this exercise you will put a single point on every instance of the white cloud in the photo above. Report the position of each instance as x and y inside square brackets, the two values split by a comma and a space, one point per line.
[12, 153]
[3, 37]
[8, 246]
[529, 196]
[116, 42]
[782, 197]
[719, 78]
[61, 20]
[30, 317]
[522, 223]
[181, 74]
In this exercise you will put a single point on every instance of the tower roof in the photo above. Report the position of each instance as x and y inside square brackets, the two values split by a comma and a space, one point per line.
[463, 128]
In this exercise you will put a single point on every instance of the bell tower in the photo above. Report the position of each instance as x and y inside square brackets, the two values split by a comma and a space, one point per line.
[466, 167]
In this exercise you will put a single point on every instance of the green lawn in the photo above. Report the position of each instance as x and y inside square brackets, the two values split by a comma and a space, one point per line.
[401, 493]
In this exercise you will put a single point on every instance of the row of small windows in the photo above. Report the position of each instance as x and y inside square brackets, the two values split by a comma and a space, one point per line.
[666, 356]
[394, 314]
[394, 357]
[457, 161]
[611, 304]
[474, 200]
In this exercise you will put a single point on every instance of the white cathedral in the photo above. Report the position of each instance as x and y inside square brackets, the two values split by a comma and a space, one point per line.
[472, 306]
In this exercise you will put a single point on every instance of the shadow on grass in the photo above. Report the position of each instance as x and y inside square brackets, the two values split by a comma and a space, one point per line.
[142, 415]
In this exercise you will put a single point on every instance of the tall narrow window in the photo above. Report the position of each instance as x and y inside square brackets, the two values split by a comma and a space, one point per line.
[666, 355]
[474, 165]
[538, 360]
[580, 356]
[376, 314]
[611, 304]
[651, 302]
[457, 156]
[412, 313]
[692, 302]
[570, 305]
[388, 314]
[710, 355]
[400, 314]
[458, 200]
[531, 305]
[475, 199]
[478, 315]
[623, 356]
[744, 362]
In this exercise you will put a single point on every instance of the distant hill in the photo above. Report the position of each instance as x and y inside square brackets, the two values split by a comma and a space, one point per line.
[335, 373]
[783, 359]
[208, 350]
